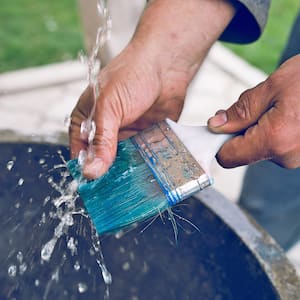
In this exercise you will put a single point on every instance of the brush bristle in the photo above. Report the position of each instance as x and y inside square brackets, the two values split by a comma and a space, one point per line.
[125, 195]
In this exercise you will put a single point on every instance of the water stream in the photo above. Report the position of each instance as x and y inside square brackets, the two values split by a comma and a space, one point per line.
[93, 63]
[65, 207]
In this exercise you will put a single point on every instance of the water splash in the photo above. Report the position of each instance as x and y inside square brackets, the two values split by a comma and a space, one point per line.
[82, 287]
[73, 239]
[10, 165]
[12, 271]
[66, 206]
[20, 181]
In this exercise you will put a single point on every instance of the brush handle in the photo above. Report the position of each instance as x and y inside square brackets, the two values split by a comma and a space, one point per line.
[200, 141]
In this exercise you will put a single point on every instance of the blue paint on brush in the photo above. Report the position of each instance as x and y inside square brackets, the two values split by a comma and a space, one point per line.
[153, 170]
[126, 194]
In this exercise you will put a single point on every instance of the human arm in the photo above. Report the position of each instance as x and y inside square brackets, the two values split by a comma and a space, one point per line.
[268, 119]
[147, 81]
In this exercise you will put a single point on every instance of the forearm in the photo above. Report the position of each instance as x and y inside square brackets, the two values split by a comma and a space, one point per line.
[183, 29]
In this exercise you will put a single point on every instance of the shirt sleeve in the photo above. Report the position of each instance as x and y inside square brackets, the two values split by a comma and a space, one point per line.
[248, 22]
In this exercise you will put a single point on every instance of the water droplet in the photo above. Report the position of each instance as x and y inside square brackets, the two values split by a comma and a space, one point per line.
[17, 205]
[85, 129]
[46, 200]
[10, 165]
[77, 266]
[126, 266]
[132, 256]
[55, 275]
[20, 257]
[105, 274]
[21, 181]
[119, 234]
[43, 218]
[69, 221]
[82, 57]
[92, 132]
[42, 161]
[29, 150]
[82, 157]
[72, 246]
[67, 121]
[36, 282]
[82, 287]
[12, 271]
[47, 249]
[23, 268]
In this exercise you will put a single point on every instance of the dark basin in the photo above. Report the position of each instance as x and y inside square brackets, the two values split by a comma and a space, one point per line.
[229, 257]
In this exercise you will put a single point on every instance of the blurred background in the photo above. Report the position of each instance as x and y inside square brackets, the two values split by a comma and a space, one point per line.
[34, 33]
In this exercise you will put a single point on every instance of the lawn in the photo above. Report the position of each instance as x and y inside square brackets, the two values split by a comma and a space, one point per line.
[37, 32]
[34, 32]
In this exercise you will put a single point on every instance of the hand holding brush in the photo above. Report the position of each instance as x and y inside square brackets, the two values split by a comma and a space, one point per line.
[147, 82]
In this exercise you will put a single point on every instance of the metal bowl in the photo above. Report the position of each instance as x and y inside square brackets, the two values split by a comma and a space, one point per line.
[218, 253]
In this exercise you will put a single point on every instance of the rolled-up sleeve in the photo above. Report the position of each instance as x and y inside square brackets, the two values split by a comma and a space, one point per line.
[249, 21]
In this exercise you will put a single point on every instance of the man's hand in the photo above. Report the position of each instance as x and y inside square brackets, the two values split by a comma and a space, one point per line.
[147, 82]
[268, 119]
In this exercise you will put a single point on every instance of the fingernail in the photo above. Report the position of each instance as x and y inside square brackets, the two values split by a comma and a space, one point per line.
[93, 168]
[218, 120]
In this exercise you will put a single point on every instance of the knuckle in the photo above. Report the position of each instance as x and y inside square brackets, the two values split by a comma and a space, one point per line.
[243, 106]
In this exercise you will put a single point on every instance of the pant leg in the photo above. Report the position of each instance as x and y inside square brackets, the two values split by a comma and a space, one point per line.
[293, 46]
[271, 195]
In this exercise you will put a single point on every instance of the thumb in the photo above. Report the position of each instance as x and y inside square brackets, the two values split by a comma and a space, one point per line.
[102, 152]
[251, 105]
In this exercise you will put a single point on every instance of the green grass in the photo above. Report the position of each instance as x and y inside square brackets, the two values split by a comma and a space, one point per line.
[38, 32]
[265, 53]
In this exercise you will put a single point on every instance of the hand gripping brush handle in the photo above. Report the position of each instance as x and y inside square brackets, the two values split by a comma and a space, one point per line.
[153, 171]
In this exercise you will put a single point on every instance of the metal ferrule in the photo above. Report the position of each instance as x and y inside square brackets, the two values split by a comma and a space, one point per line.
[174, 168]
[188, 189]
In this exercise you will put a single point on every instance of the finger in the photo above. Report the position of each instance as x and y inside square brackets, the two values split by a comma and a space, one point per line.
[251, 105]
[125, 134]
[244, 149]
[103, 151]
[75, 141]
[79, 114]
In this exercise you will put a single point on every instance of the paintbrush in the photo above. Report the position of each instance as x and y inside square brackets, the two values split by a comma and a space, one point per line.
[153, 171]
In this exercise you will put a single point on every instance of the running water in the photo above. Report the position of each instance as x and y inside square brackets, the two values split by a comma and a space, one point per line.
[93, 62]
[88, 129]
[66, 206]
